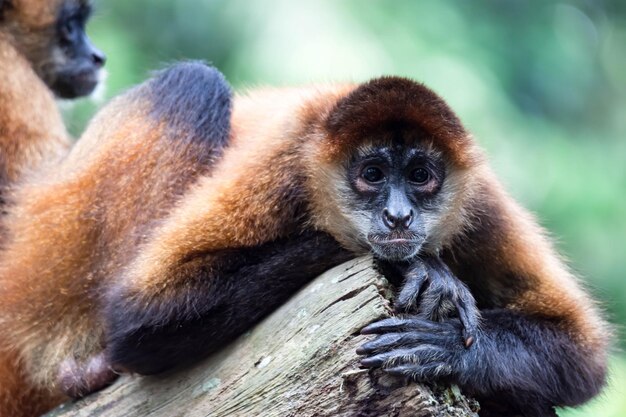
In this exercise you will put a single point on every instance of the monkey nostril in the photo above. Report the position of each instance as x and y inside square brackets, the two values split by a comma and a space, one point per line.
[395, 221]
[98, 58]
[388, 219]
[408, 219]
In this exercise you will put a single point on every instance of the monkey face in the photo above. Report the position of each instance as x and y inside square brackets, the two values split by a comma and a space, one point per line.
[396, 188]
[57, 46]
[76, 62]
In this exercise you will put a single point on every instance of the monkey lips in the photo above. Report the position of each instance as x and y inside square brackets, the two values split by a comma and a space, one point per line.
[396, 246]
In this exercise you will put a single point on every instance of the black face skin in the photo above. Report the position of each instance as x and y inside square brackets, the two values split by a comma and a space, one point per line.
[398, 185]
[75, 73]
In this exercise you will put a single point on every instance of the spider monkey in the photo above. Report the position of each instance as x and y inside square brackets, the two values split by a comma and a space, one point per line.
[44, 52]
[137, 156]
[141, 266]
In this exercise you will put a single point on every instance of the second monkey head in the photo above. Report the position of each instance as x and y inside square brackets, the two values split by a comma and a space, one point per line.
[392, 169]
[51, 35]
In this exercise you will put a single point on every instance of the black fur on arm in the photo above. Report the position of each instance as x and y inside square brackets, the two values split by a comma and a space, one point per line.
[224, 295]
[519, 365]
[527, 365]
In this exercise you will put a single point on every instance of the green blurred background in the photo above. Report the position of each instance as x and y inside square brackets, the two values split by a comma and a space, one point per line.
[541, 84]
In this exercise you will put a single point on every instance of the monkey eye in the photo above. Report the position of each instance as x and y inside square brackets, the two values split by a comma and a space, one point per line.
[373, 174]
[67, 30]
[419, 176]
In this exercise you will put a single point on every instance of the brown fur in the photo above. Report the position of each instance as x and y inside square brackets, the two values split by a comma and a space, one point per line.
[381, 105]
[503, 241]
[35, 14]
[31, 59]
[14, 380]
[31, 127]
[76, 231]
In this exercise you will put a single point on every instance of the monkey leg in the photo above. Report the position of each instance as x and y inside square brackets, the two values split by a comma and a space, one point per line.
[222, 295]
[193, 102]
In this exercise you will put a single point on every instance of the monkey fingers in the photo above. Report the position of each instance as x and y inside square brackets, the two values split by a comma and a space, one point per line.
[444, 293]
[408, 324]
[414, 347]
[77, 380]
[416, 355]
[422, 372]
[415, 279]
[390, 341]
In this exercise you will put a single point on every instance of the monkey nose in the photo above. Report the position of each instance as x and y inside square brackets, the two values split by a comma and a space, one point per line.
[98, 58]
[397, 220]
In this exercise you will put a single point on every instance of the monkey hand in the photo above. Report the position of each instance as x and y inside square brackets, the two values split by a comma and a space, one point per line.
[418, 348]
[432, 290]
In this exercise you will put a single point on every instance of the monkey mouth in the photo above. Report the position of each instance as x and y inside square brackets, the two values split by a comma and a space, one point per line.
[71, 85]
[399, 241]
[396, 247]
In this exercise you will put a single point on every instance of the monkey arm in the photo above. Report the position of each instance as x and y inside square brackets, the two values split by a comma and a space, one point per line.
[217, 297]
[522, 362]
[529, 364]
[207, 272]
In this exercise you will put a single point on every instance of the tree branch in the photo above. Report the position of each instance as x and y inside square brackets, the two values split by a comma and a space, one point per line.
[300, 361]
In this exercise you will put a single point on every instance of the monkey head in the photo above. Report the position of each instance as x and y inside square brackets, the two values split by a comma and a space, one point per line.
[51, 35]
[398, 163]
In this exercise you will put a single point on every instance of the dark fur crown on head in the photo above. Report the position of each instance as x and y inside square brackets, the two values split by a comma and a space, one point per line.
[392, 102]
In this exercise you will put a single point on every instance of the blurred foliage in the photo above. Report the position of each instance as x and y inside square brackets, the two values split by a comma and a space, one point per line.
[541, 84]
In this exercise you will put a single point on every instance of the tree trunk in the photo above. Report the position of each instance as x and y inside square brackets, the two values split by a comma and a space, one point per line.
[300, 361]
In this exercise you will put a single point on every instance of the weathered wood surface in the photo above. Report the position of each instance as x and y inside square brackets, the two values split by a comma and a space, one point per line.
[300, 361]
